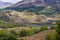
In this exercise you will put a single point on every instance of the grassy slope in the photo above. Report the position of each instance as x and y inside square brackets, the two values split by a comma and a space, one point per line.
[39, 36]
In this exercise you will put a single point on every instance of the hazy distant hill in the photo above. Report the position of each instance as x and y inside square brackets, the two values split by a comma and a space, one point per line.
[4, 4]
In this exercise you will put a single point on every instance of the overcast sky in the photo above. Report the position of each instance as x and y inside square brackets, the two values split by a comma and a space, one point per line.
[11, 1]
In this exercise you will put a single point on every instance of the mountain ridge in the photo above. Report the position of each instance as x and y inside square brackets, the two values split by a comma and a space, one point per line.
[34, 4]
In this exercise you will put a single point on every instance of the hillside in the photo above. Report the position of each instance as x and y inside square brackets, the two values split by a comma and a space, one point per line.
[39, 36]
[35, 5]
[26, 17]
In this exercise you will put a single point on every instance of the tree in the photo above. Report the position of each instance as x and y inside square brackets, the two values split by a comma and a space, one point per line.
[58, 30]
[23, 33]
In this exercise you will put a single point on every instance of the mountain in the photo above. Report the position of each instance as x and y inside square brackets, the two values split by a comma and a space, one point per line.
[31, 5]
[35, 5]
[4, 4]
[25, 11]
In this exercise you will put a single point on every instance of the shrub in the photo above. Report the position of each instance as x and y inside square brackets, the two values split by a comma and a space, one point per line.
[51, 36]
[26, 32]
[6, 35]
[23, 33]
[43, 27]
[35, 30]
[52, 27]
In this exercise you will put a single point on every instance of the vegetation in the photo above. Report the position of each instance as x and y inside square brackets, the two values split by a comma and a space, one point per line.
[29, 32]
[58, 30]
[51, 36]
[7, 35]
[4, 24]
[13, 35]
[43, 27]
[55, 35]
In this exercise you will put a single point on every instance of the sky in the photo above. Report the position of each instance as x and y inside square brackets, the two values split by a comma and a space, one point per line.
[11, 1]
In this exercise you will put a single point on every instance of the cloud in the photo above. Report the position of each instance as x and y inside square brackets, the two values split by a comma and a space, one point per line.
[11, 1]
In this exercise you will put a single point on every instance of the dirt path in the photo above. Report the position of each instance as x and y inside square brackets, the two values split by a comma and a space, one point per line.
[39, 36]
